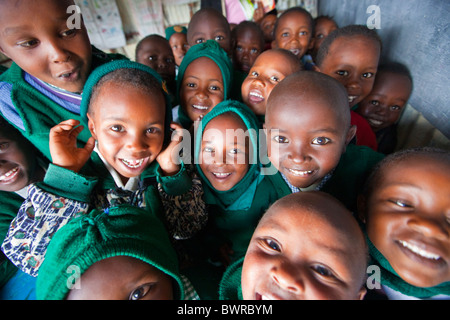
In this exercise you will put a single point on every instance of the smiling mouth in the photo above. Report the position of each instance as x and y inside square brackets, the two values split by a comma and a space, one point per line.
[221, 175]
[132, 164]
[419, 251]
[8, 176]
[200, 107]
[300, 173]
[375, 123]
[256, 96]
[295, 51]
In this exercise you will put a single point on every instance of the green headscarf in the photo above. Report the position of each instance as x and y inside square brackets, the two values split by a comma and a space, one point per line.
[391, 279]
[210, 49]
[175, 29]
[242, 191]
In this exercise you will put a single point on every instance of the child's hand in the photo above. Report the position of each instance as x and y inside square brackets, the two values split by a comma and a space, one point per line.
[63, 146]
[168, 159]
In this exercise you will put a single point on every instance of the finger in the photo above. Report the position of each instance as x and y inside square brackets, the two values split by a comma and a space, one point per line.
[90, 145]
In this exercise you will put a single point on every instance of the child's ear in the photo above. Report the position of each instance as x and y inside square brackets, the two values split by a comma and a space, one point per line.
[350, 134]
[315, 68]
[362, 293]
[91, 126]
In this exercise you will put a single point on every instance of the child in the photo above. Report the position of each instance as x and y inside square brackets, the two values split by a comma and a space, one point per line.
[307, 246]
[247, 44]
[236, 192]
[294, 31]
[269, 69]
[350, 55]
[204, 80]
[308, 133]
[129, 118]
[209, 24]
[155, 51]
[177, 37]
[267, 24]
[384, 105]
[323, 26]
[20, 165]
[121, 254]
[51, 64]
[405, 209]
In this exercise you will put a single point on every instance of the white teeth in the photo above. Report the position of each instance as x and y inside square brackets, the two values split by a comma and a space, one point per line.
[351, 98]
[419, 251]
[255, 94]
[200, 107]
[9, 174]
[221, 175]
[133, 163]
[300, 173]
[375, 122]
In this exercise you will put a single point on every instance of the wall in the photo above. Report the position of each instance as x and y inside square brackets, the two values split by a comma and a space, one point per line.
[416, 33]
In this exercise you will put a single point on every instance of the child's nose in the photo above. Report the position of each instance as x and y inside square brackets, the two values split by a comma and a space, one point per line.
[57, 53]
[299, 153]
[429, 226]
[288, 278]
[137, 144]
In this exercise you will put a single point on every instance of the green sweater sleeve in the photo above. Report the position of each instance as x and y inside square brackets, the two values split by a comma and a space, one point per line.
[68, 184]
[178, 184]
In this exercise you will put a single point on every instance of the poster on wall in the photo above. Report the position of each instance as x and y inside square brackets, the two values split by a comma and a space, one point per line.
[103, 23]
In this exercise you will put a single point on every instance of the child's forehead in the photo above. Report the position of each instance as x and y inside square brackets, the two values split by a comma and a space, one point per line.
[296, 17]
[200, 63]
[227, 120]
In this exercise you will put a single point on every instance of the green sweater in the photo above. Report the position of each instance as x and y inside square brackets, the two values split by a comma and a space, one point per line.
[38, 112]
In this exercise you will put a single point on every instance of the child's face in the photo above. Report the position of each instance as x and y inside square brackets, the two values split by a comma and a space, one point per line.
[353, 62]
[122, 278]
[322, 29]
[17, 163]
[247, 49]
[224, 152]
[157, 54]
[128, 125]
[210, 28]
[305, 139]
[267, 24]
[293, 33]
[384, 105]
[268, 70]
[178, 43]
[202, 87]
[408, 219]
[35, 35]
[299, 255]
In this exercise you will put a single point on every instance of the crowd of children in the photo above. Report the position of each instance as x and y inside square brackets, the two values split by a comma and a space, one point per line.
[253, 161]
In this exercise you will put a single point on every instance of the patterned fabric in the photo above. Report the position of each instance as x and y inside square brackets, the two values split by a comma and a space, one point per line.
[189, 290]
[36, 222]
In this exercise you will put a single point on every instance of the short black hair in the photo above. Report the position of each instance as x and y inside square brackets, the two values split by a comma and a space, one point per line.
[150, 37]
[346, 32]
[396, 68]
[399, 156]
[300, 10]
[245, 25]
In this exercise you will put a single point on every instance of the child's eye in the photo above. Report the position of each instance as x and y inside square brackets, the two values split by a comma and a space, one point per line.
[254, 74]
[239, 49]
[303, 33]
[190, 85]
[69, 32]
[319, 36]
[321, 141]
[254, 51]
[219, 38]
[199, 40]
[395, 108]
[117, 128]
[152, 130]
[4, 146]
[208, 149]
[28, 44]
[368, 75]
[323, 271]
[281, 139]
[169, 60]
[375, 102]
[401, 203]
[140, 292]
[342, 73]
[272, 244]
[274, 79]
[151, 58]
[285, 34]
[214, 88]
